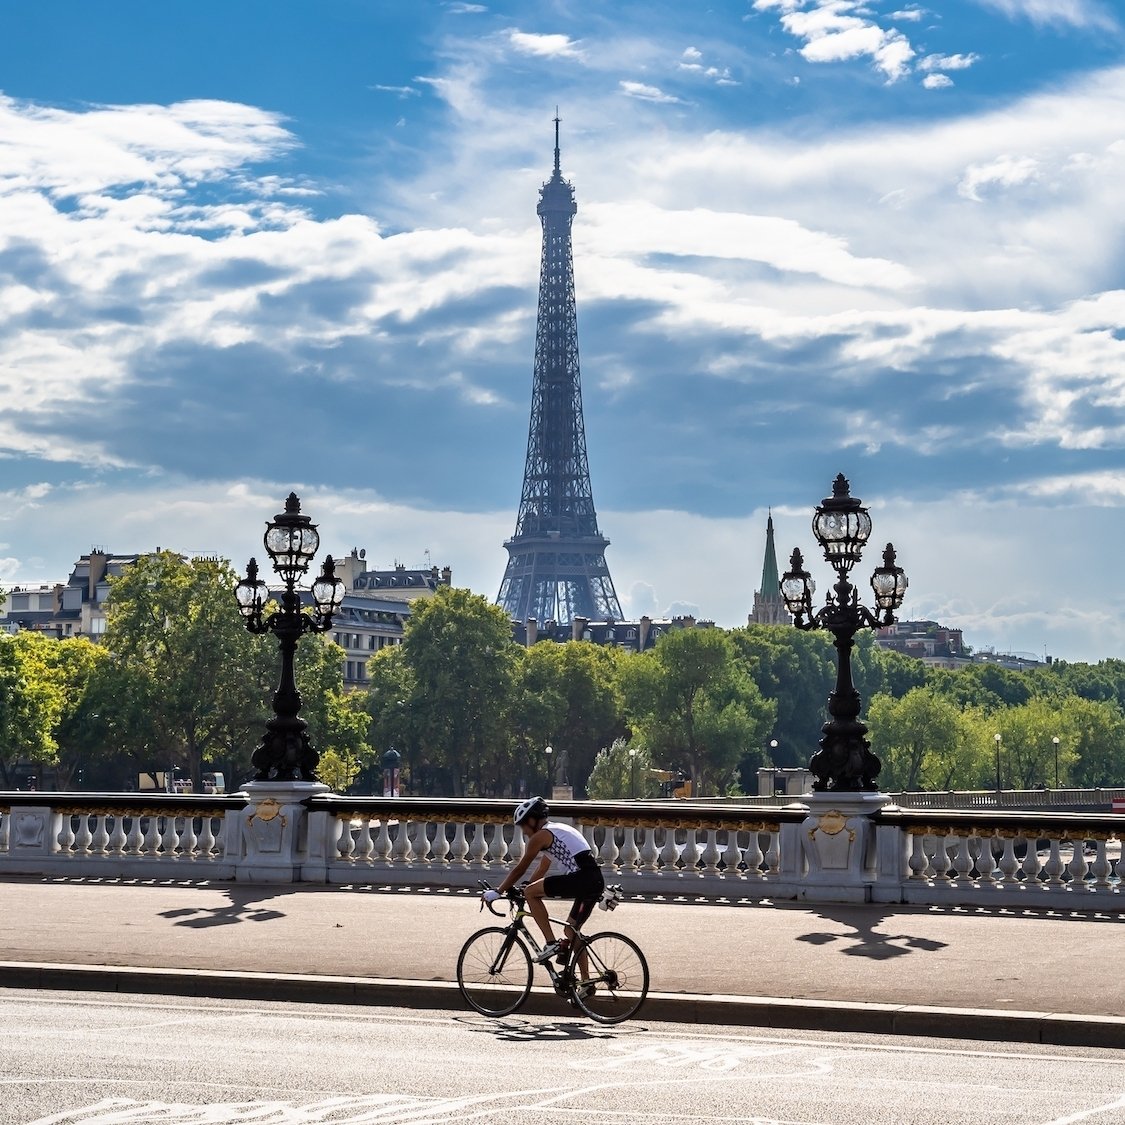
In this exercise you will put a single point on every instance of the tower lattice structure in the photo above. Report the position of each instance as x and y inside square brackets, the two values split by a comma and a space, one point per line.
[556, 558]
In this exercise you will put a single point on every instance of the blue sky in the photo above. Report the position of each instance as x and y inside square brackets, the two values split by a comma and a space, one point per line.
[252, 247]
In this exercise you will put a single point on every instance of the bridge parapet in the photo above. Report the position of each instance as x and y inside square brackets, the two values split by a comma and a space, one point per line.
[668, 850]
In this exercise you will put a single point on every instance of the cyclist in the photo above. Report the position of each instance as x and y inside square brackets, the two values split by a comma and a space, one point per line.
[567, 869]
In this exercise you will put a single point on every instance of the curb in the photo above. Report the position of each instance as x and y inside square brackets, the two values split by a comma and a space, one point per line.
[741, 1011]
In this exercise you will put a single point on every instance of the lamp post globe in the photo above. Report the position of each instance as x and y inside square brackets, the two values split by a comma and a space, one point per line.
[842, 527]
[291, 540]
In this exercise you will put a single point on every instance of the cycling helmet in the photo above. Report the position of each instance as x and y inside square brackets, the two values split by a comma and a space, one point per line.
[532, 807]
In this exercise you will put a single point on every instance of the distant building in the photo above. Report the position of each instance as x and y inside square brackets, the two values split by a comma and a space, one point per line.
[71, 609]
[637, 636]
[373, 614]
[939, 646]
[376, 608]
[769, 607]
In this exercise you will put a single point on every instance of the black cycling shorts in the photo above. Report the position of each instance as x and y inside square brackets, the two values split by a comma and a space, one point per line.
[585, 886]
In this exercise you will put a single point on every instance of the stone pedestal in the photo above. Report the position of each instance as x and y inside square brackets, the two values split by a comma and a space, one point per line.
[837, 838]
[273, 831]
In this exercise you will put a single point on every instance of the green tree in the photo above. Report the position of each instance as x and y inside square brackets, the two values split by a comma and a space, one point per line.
[188, 682]
[567, 696]
[31, 702]
[796, 670]
[925, 742]
[80, 734]
[623, 771]
[459, 650]
[692, 703]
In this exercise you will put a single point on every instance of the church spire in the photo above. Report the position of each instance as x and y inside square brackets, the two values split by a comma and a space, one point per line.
[769, 608]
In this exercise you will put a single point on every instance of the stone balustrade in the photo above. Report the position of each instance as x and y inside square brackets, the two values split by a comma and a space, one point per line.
[822, 848]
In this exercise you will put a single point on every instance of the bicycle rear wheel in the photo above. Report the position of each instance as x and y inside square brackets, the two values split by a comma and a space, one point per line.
[494, 971]
[619, 975]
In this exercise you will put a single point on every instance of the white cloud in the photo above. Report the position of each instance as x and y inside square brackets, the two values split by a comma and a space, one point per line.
[544, 46]
[1005, 171]
[948, 62]
[646, 93]
[937, 81]
[1085, 14]
[913, 15]
[839, 30]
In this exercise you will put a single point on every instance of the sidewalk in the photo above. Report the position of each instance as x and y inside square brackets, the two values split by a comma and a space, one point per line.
[985, 974]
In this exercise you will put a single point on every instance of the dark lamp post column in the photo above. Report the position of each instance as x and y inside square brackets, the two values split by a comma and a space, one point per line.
[291, 540]
[842, 527]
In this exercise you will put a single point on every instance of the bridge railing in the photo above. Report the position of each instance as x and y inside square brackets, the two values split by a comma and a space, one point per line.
[658, 848]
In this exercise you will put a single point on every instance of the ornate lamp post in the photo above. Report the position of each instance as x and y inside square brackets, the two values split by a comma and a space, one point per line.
[842, 526]
[291, 540]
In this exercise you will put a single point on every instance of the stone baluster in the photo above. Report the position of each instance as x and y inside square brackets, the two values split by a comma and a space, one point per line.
[773, 854]
[985, 862]
[711, 855]
[66, 833]
[439, 850]
[136, 836]
[478, 849]
[649, 855]
[753, 857]
[117, 838]
[420, 842]
[1100, 868]
[630, 853]
[5, 829]
[1054, 866]
[499, 847]
[170, 838]
[940, 862]
[460, 848]
[207, 837]
[100, 837]
[363, 842]
[1077, 866]
[1030, 865]
[84, 837]
[689, 857]
[669, 854]
[732, 857]
[918, 861]
[188, 838]
[607, 857]
[402, 853]
[383, 844]
[345, 838]
[962, 860]
[1009, 864]
[151, 846]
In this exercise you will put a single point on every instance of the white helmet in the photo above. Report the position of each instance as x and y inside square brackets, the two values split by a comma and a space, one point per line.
[532, 807]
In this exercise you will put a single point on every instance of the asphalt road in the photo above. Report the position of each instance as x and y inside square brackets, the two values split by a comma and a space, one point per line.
[74, 1058]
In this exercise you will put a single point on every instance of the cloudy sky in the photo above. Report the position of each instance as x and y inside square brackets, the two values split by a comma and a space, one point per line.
[253, 247]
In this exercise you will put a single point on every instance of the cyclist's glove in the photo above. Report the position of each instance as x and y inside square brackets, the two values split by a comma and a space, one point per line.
[491, 895]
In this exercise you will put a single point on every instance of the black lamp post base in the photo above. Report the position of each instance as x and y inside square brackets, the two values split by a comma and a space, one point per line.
[285, 753]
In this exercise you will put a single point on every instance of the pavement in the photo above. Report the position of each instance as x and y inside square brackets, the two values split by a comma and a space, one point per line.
[1038, 976]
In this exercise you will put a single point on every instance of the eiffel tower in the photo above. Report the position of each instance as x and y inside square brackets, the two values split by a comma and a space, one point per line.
[556, 558]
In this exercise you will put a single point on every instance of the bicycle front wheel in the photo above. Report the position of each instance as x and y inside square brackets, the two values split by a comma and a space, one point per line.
[494, 971]
[618, 978]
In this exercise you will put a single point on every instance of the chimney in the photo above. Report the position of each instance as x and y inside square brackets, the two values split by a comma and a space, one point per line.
[98, 560]
[446, 576]
[532, 631]
[578, 627]
[646, 626]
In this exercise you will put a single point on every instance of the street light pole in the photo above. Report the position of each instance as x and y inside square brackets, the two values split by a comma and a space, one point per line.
[842, 526]
[1055, 740]
[997, 738]
[550, 772]
[291, 540]
[633, 772]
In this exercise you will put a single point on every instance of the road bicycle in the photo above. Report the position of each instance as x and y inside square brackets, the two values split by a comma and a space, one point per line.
[605, 975]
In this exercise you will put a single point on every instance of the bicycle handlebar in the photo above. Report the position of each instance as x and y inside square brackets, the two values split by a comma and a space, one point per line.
[514, 896]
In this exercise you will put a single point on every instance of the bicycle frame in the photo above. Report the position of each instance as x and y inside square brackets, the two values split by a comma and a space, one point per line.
[563, 977]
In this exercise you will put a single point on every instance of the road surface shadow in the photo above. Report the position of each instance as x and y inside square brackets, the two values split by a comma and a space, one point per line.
[865, 938]
[239, 908]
